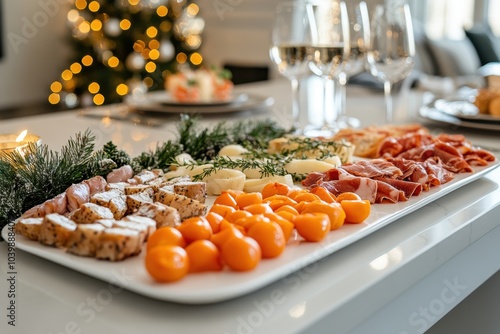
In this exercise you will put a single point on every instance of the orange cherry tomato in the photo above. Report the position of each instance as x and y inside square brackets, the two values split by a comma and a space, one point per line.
[288, 208]
[347, 196]
[203, 256]
[167, 263]
[222, 210]
[246, 222]
[312, 226]
[323, 194]
[333, 210]
[258, 208]
[356, 211]
[220, 238]
[195, 228]
[165, 236]
[226, 199]
[275, 188]
[277, 201]
[286, 215]
[241, 254]
[233, 217]
[214, 219]
[284, 223]
[295, 191]
[270, 238]
[306, 197]
[233, 193]
[246, 199]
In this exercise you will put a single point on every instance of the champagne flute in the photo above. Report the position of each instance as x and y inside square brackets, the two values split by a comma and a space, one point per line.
[289, 42]
[329, 27]
[392, 48]
[359, 34]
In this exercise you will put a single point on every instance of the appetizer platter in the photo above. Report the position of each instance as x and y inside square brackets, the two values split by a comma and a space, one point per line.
[208, 208]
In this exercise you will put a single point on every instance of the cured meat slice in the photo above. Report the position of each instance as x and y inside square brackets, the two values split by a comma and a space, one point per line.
[313, 179]
[373, 169]
[365, 188]
[407, 187]
[388, 193]
[77, 194]
[437, 174]
[121, 174]
[96, 184]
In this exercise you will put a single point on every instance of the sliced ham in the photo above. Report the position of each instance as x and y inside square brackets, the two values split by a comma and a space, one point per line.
[97, 184]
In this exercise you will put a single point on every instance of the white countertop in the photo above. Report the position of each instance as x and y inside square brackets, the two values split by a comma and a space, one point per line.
[400, 279]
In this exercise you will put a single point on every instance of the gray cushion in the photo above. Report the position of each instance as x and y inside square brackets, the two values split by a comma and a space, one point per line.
[486, 44]
[454, 57]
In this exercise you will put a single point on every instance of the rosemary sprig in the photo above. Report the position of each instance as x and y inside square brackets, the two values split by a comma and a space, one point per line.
[266, 167]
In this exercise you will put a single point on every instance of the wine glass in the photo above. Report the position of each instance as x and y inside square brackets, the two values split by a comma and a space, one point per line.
[329, 49]
[289, 41]
[359, 34]
[392, 48]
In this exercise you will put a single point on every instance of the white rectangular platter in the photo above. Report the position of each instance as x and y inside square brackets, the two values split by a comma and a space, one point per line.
[219, 286]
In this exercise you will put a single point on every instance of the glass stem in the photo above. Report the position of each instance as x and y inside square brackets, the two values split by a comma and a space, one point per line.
[326, 81]
[341, 96]
[388, 102]
[295, 103]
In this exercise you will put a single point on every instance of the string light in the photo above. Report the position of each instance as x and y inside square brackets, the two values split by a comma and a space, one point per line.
[94, 87]
[125, 24]
[162, 11]
[55, 87]
[75, 68]
[87, 60]
[103, 28]
[94, 6]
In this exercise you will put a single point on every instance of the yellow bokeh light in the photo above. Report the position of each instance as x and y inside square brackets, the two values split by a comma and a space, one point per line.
[194, 41]
[80, 4]
[165, 26]
[67, 75]
[55, 87]
[113, 61]
[196, 58]
[145, 53]
[69, 85]
[181, 58]
[134, 2]
[54, 98]
[87, 60]
[162, 11]
[84, 27]
[154, 54]
[75, 68]
[94, 6]
[193, 9]
[150, 67]
[73, 15]
[139, 46]
[122, 89]
[154, 44]
[96, 25]
[98, 99]
[94, 87]
[148, 82]
[125, 24]
[152, 32]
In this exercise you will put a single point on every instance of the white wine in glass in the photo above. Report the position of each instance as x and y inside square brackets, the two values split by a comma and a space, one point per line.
[329, 49]
[392, 48]
[359, 34]
[289, 42]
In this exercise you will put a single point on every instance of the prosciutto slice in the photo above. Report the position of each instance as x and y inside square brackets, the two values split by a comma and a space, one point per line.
[373, 169]
[364, 187]
[407, 187]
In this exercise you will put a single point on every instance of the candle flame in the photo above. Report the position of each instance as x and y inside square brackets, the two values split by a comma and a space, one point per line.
[21, 136]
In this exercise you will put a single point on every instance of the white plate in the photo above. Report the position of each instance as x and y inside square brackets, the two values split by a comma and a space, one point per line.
[220, 286]
[162, 102]
[429, 112]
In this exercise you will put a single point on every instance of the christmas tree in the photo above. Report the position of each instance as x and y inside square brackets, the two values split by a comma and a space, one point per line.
[123, 47]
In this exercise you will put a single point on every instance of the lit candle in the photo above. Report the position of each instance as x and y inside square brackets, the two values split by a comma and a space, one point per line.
[11, 142]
